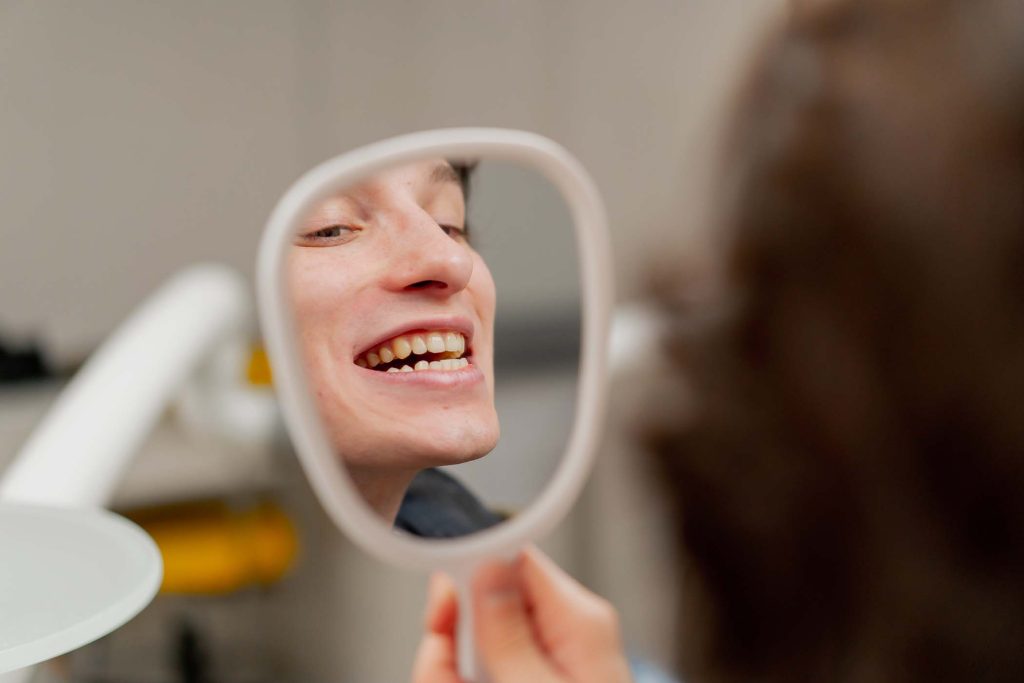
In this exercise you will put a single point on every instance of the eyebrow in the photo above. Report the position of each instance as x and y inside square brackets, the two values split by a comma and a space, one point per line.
[444, 173]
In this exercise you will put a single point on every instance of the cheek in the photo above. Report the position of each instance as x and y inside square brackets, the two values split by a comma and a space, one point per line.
[318, 290]
[484, 294]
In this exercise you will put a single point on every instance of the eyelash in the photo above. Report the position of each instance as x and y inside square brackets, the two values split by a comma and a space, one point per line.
[320, 236]
[454, 231]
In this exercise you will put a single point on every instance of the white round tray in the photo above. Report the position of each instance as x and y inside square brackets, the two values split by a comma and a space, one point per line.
[67, 577]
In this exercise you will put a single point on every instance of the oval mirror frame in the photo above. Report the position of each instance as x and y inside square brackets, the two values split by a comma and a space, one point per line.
[332, 485]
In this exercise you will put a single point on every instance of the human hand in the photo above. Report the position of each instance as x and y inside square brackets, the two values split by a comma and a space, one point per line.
[533, 623]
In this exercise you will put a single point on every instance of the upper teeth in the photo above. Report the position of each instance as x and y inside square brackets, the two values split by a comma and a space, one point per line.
[447, 346]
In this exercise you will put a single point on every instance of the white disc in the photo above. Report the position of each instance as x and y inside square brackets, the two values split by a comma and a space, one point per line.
[67, 577]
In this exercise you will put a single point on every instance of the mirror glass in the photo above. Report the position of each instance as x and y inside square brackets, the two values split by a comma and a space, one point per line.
[437, 306]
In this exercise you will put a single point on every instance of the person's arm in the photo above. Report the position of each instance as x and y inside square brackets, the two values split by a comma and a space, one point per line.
[533, 624]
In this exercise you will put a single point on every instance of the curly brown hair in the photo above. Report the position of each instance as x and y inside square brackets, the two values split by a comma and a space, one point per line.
[851, 488]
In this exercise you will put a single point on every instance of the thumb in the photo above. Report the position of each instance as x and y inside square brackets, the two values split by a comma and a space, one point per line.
[503, 629]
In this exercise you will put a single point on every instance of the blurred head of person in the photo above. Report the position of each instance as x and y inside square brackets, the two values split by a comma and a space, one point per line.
[850, 486]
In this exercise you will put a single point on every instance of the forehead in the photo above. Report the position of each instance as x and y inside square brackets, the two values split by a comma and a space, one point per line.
[429, 180]
[428, 172]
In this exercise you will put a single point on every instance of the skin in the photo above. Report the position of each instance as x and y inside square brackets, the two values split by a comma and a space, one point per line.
[386, 257]
[533, 623]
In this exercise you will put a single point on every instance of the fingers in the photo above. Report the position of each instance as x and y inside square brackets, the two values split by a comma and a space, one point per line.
[503, 630]
[563, 608]
[436, 659]
[578, 629]
[442, 611]
[532, 622]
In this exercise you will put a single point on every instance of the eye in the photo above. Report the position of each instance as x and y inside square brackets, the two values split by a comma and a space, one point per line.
[328, 235]
[331, 232]
[454, 231]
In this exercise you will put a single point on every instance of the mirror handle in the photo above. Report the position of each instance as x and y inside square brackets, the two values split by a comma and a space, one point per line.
[471, 668]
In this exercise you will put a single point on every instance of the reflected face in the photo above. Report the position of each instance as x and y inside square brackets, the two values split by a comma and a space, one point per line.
[395, 315]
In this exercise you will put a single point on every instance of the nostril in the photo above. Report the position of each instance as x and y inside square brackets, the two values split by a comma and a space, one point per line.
[428, 284]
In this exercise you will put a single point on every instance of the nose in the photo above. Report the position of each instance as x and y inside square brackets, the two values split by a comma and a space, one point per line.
[424, 258]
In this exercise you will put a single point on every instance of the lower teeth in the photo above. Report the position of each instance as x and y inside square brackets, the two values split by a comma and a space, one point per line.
[447, 364]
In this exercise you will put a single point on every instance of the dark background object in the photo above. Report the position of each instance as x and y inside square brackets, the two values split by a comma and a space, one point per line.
[21, 364]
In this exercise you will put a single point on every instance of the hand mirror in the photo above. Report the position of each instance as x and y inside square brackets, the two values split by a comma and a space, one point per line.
[436, 308]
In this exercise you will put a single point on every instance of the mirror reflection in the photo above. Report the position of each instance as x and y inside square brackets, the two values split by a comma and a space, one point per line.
[396, 284]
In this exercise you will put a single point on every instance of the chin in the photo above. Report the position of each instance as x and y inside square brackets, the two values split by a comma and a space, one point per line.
[456, 446]
[439, 444]
[432, 439]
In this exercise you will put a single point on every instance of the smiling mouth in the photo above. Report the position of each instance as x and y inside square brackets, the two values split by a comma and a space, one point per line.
[418, 351]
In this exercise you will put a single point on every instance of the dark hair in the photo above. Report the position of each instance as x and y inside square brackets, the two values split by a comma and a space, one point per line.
[850, 489]
[464, 170]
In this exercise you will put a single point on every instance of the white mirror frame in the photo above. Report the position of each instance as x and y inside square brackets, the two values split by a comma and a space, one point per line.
[335, 490]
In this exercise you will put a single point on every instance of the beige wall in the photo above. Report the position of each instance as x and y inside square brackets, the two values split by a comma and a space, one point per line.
[138, 137]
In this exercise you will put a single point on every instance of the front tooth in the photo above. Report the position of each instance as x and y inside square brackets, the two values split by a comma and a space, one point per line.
[419, 345]
[435, 342]
[373, 359]
[446, 364]
[435, 365]
[451, 341]
[422, 365]
[402, 347]
[392, 370]
[385, 354]
[405, 368]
